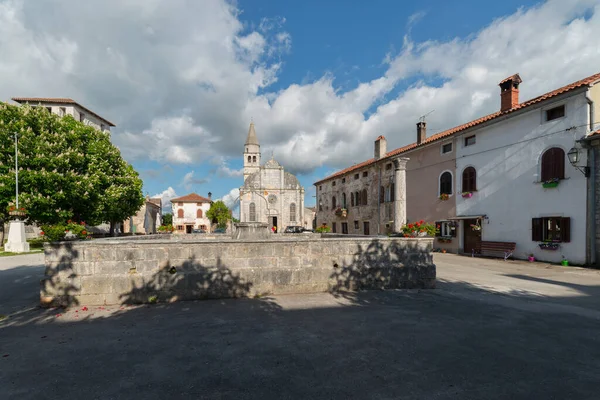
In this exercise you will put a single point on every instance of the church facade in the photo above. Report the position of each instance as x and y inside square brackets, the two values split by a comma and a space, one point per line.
[269, 193]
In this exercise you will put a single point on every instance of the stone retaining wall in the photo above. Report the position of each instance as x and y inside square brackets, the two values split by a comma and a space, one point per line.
[109, 271]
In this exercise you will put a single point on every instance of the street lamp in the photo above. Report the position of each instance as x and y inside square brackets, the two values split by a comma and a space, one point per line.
[17, 170]
[573, 155]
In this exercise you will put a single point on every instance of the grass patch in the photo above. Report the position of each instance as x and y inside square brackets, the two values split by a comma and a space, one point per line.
[8, 253]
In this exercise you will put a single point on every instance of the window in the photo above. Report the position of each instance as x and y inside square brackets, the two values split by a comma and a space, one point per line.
[364, 197]
[102, 127]
[381, 194]
[355, 224]
[62, 111]
[320, 187]
[446, 148]
[252, 213]
[345, 228]
[388, 166]
[180, 213]
[320, 206]
[333, 227]
[553, 164]
[357, 198]
[333, 183]
[470, 140]
[469, 180]
[333, 202]
[81, 117]
[446, 183]
[180, 204]
[387, 194]
[249, 159]
[199, 213]
[253, 158]
[553, 229]
[365, 174]
[352, 199]
[179, 227]
[447, 228]
[356, 176]
[344, 200]
[392, 192]
[343, 180]
[293, 212]
[555, 113]
[366, 229]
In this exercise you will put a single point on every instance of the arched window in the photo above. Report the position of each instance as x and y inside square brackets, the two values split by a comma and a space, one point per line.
[553, 164]
[344, 200]
[446, 183]
[293, 212]
[357, 198]
[249, 159]
[252, 213]
[364, 201]
[253, 158]
[381, 194]
[180, 213]
[333, 202]
[199, 213]
[469, 180]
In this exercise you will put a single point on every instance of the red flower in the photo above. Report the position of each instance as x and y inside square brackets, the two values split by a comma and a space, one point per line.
[83, 232]
[82, 222]
[410, 226]
[438, 226]
[69, 221]
[421, 221]
[42, 233]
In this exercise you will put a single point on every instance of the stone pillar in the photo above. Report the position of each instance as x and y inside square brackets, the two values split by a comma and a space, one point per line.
[17, 240]
[399, 192]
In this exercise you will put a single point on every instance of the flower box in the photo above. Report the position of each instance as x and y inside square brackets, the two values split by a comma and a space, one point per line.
[444, 197]
[467, 195]
[551, 183]
[341, 212]
[549, 246]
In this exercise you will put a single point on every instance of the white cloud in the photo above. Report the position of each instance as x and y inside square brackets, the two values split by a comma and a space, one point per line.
[166, 196]
[189, 181]
[232, 201]
[182, 78]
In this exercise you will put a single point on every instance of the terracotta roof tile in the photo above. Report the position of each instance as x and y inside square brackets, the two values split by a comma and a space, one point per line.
[191, 198]
[575, 85]
[62, 100]
[595, 133]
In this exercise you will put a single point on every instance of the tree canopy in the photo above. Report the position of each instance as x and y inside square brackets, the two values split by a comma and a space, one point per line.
[219, 213]
[67, 170]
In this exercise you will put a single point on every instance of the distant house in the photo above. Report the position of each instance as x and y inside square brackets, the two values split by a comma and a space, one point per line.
[189, 213]
[148, 218]
[63, 106]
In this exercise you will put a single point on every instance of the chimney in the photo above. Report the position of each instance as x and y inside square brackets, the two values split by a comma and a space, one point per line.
[509, 92]
[421, 131]
[380, 147]
[209, 195]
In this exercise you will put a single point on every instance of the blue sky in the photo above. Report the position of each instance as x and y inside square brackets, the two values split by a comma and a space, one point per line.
[321, 79]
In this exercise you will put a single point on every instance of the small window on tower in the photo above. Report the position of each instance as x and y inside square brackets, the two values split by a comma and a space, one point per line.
[365, 174]
[333, 183]
[343, 180]
[253, 158]
[388, 166]
[356, 176]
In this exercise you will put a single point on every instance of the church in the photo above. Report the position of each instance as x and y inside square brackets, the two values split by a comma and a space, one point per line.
[269, 194]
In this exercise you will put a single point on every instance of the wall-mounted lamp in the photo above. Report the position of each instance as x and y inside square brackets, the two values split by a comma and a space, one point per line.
[573, 155]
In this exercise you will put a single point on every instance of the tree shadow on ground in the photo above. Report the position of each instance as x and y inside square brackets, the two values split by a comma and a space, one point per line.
[60, 283]
[381, 267]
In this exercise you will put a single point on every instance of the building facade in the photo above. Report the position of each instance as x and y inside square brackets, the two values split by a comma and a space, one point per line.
[269, 194]
[189, 213]
[63, 106]
[504, 177]
[147, 220]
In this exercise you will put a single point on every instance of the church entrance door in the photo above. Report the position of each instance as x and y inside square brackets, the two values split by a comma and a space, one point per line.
[273, 223]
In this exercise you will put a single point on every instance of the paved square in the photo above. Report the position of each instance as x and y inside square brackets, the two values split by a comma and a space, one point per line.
[491, 330]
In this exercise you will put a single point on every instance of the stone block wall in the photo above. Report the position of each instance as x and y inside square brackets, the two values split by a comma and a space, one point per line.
[139, 271]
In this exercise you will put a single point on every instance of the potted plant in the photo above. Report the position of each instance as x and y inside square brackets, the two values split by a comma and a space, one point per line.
[531, 258]
[476, 227]
[444, 196]
[420, 228]
[444, 251]
[341, 212]
[467, 195]
[564, 262]
[551, 183]
[16, 212]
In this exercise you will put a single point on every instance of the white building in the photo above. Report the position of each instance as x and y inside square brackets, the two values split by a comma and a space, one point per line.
[62, 107]
[269, 194]
[504, 160]
[189, 213]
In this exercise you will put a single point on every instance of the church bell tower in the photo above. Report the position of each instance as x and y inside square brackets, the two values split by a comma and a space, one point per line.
[251, 153]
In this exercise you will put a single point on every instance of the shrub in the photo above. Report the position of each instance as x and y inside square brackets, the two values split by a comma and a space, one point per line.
[58, 232]
[166, 228]
[410, 230]
[323, 229]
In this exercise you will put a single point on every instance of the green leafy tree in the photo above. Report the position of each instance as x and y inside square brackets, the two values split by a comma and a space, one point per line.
[167, 219]
[219, 214]
[67, 170]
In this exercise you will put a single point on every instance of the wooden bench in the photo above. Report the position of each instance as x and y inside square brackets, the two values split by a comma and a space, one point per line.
[497, 248]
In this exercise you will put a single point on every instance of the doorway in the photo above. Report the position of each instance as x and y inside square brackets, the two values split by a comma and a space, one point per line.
[273, 223]
[471, 238]
[366, 228]
[188, 228]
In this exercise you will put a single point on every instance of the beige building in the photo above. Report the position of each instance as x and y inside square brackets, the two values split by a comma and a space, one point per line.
[147, 220]
[269, 194]
[63, 106]
[189, 213]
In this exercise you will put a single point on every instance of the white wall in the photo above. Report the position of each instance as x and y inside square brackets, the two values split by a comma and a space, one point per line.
[507, 157]
[189, 214]
[75, 112]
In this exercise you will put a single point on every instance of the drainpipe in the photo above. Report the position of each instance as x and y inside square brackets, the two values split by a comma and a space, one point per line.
[592, 183]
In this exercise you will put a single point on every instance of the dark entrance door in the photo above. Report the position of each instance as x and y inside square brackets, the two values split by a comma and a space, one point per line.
[472, 239]
[273, 223]
[366, 228]
[188, 228]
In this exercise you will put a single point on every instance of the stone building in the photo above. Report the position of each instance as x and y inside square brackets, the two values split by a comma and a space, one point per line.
[63, 106]
[189, 213]
[147, 220]
[269, 193]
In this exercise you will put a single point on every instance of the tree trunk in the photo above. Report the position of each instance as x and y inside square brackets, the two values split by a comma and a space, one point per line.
[111, 232]
[2, 234]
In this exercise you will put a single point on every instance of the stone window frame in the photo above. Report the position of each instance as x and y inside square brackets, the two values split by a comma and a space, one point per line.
[561, 107]
[444, 145]
[356, 225]
[252, 212]
[470, 140]
[293, 212]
